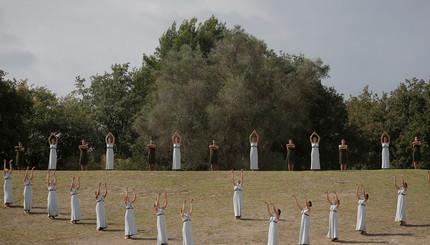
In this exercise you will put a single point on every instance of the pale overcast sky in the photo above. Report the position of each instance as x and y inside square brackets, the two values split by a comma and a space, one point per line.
[368, 42]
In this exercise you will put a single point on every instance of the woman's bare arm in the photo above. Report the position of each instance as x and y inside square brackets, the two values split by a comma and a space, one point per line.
[79, 183]
[297, 203]
[337, 199]
[328, 199]
[55, 179]
[4, 167]
[403, 182]
[10, 166]
[106, 192]
[183, 208]
[32, 170]
[192, 207]
[356, 191]
[395, 182]
[72, 184]
[47, 178]
[26, 174]
[134, 193]
[232, 177]
[268, 209]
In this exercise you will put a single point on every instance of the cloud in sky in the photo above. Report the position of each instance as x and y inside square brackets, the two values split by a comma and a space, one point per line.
[379, 43]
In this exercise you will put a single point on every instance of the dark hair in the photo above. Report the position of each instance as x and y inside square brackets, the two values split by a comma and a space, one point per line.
[310, 203]
[367, 196]
[406, 184]
[279, 211]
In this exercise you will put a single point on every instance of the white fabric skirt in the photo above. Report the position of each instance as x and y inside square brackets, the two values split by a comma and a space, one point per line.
[75, 214]
[28, 195]
[52, 204]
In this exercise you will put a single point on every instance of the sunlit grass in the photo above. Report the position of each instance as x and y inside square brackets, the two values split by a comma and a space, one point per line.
[213, 219]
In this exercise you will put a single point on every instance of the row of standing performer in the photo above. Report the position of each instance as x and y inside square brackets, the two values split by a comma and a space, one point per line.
[130, 225]
[130, 228]
[214, 148]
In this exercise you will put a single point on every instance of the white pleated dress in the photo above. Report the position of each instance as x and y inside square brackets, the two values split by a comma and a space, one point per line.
[315, 157]
[237, 200]
[101, 213]
[176, 156]
[305, 227]
[332, 223]
[28, 195]
[187, 230]
[401, 206]
[361, 216]
[52, 201]
[253, 156]
[109, 156]
[385, 155]
[130, 223]
[161, 227]
[272, 238]
[75, 214]
[7, 187]
[52, 156]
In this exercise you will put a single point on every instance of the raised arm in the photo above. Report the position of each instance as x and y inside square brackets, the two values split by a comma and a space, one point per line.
[310, 138]
[268, 209]
[274, 210]
[306, 202]
[106, 139]
[364, 192]
[106, 192]
[126, 196]
[250, 137]
[79, 183]
[403, 182]
[26, 174]
[232, 176]
[10, 166]
[98, 189]
[157, 203]
[32, 169]
[183, 208]
[389, 139]
[113, 138]
[241, 176]
[134, 194]
[319, 138]
[337, 199]
[356, 191]
[328, 199]
[49, 138]
[55, 179]
[72, 184]
[165, 198]
[258, 137]
[173, 138]
[297, 203]
[382, 138]
[4, 167]
[192, 207]
[395, 182]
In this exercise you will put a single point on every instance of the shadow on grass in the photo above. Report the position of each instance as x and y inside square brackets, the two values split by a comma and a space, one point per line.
[145, 238]
[361, 242]
[95, 223]
[247, 219]
[112, 230]
[390, 234]
[39, 213]
[16, 206]
[408, 225]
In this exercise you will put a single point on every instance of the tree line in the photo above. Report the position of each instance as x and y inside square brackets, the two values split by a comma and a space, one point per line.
[207, 81]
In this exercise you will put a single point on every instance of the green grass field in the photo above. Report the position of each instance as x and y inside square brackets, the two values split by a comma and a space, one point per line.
[213, 220]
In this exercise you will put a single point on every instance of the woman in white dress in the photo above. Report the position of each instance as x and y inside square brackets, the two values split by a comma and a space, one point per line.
[52, 196]
[361, 212]
[237, 197]
[75, 214]
[161, 220]
[401, 201]
[110, 141]
[272, 238]
[305, 225]
[187, 228]
[385, 142]
[28, 194]
[130, 223]
[253, 154]
[315, 154]
[176, 141]
[332, 220]
[7, 187]
[100, 209]
[53, 141]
